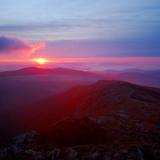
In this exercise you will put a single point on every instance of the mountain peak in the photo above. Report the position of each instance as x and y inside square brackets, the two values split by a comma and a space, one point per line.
[32, 68]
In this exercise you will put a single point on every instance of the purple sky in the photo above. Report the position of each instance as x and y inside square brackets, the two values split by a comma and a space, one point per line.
[79, 28]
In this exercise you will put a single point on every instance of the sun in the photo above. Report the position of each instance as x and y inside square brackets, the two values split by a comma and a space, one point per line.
[40, 61]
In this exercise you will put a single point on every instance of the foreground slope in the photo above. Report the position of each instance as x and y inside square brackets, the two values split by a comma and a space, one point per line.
[106, 120]
[116, 109]
[101, 99]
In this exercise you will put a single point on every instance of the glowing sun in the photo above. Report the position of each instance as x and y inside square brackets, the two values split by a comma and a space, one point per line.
[40, 61]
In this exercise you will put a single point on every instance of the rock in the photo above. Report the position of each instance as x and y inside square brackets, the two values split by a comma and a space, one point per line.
[140, 153]
[54, 154]
[25, 138]
[3, 153]
[107, 156]
[95, 155]
[71, 153]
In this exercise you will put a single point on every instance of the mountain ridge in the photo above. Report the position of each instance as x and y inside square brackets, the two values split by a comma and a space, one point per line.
[113, 118]
[99, 99]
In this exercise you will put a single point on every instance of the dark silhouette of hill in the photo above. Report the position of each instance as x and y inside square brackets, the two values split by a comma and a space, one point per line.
[102, 101]
[137, 76]
[141, 77]
[32, 84]
[20, 88]
[54, 71]
[113, 119]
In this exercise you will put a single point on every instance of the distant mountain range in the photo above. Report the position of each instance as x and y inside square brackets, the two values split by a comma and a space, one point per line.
[137, 76]
[40, 71]
[33, 84]
[142, 77]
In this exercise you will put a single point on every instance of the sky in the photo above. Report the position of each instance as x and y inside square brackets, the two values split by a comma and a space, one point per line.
[79, 28]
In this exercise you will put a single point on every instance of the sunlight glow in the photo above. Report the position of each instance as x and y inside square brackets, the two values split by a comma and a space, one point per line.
[41, 61]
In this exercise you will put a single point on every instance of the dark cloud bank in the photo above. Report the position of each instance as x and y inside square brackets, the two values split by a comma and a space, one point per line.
[15, 45]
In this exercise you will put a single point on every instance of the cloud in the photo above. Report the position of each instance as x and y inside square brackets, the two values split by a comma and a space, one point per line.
[14, 45]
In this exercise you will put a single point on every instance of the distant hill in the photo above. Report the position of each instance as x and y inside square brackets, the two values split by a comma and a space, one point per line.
[137, 76]
[23, 87]
[55, 71]
[26, 85]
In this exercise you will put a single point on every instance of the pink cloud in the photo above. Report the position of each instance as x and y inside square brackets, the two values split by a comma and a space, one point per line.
[15, 45]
